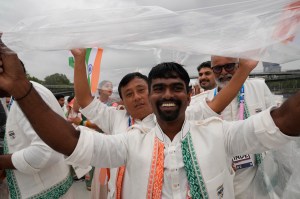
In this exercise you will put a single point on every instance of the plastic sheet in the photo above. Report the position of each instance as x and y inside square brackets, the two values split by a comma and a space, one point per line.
[278, 176]
[176, 30]
[267, 30]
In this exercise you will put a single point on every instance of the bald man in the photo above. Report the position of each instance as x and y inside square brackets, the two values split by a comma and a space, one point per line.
[254, 97]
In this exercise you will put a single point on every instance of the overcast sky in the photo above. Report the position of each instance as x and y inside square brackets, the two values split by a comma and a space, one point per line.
[115, 63]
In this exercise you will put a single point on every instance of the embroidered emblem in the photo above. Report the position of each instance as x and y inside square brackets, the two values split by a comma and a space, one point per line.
[258, 110]
[11, 134]
[220, 191]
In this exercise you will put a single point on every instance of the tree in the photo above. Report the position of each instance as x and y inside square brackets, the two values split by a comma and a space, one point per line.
[57, 79]
[35, 79]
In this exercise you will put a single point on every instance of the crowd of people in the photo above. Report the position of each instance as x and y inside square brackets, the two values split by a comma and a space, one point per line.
[166, 143]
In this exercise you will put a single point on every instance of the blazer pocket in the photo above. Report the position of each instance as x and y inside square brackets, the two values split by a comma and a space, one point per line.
[215, 186]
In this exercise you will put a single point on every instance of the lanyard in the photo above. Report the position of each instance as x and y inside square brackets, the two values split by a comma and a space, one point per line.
[242, 103]
[241, 99]
[130, 121]
[10, 103]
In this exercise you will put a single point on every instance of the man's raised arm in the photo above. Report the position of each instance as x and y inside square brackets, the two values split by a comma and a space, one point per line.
[52, 128]
[286, 117]
[81, 86]
[229, 92]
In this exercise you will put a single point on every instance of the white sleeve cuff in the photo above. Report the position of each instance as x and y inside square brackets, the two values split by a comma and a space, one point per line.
[89, 108]
[208, 112]
[20, 163]
[82, 155]
[273, 137]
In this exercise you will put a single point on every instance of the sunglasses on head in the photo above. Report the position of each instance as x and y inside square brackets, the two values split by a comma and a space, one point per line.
[227, 67]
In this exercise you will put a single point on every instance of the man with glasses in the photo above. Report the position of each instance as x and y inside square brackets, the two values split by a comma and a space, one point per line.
[177, 158]
[254, 97]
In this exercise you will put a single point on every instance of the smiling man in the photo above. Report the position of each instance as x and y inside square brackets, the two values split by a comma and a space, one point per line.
[133, 90]
[253, 97]
[206, 76]
[33, 169]
[175, 159]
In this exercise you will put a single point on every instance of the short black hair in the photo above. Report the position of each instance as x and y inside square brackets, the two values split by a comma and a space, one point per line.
[169, 70]
[58, 96]
[70, 98]
[206, 64]
[127, 78]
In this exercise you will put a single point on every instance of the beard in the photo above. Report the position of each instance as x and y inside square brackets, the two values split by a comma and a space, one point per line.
[223, 80]
[168, 115]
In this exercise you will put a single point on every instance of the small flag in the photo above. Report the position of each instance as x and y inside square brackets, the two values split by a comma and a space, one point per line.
[92, 60]
[71, 61]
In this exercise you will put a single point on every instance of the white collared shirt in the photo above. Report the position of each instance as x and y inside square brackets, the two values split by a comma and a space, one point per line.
[113, 121]
[215, 143]
[38, 167]
[110, 120]
[258, 97]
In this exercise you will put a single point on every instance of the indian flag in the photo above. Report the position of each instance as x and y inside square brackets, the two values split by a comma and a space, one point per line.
[93, 60]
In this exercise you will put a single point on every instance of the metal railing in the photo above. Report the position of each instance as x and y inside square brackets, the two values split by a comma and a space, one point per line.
[61, 89]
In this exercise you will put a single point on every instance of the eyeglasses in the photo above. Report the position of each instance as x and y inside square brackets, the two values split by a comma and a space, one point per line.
[227, 67]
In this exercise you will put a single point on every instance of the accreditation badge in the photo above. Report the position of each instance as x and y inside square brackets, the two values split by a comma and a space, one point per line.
[242, 162]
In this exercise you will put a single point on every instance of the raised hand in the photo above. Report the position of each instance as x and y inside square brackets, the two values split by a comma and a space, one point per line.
[247, 64]
[12, 74]
[78, 52]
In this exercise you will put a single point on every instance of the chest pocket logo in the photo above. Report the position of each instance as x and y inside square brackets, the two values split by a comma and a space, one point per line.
[220, 191]
[258, 110]
[12, 135]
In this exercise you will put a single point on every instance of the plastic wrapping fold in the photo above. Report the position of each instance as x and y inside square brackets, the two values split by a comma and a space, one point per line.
[265, 30]
[278, 176]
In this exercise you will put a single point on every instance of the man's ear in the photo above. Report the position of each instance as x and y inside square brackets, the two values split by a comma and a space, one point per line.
[189, 94]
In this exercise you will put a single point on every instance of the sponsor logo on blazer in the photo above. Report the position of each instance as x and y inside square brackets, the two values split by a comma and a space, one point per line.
[11, 134]
[220, 191]
[257, 110]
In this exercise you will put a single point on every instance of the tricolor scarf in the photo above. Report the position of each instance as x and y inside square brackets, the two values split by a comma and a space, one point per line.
[121, 170]
[197, 188]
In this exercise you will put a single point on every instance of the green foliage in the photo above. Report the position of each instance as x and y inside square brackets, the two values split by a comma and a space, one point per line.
[35, 79]
[284, 86]
[57, 79]
[288, 84]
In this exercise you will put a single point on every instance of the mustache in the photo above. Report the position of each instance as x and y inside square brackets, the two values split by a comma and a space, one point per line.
[204, 80]
[225, 76]
[220, 80]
